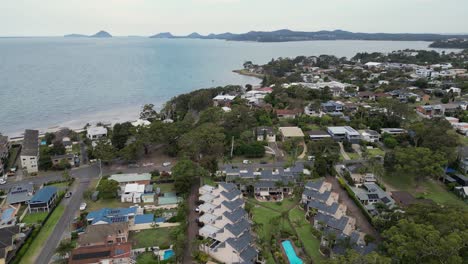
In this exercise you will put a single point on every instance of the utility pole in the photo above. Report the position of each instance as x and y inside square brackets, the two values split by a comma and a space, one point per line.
[232, 146]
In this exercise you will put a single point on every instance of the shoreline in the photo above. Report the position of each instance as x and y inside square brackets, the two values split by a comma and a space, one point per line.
[250, 74]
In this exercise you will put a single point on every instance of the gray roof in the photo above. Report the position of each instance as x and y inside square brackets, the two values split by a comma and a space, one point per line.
[314, 185]
[6, 237]
[231, 194]
[20, 193]
[264, 129]
[236, 215]
[238, 228]
[228, 186]
[233, 205]
[30, 143]
[322, 207]
[323, 197]
[330, 221]
[240, 243]
[249, 254]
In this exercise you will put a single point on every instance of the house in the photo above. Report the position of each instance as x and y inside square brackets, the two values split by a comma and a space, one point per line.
[109, 254]
[147, 198]
[144, 221]
[67, 143]
[287, 113]
[30, 151]
[112, 215]
[316, 135]
[392, 131]
[344, 224]
[97, 132]
[124, 179]
[100, 235]
[366, 95]
[460, 179]
[463, 159]
[372, 64]
[462, 191]
[132, 193]
[20, 194]
[344, 133]
[169, 200]
[141, 123]
[43, 200]
[370, 135]
[272, 190]
[371, 194]
[8, 235]
[256, 96]
[226, 228]
[264, 133]
[221, 100]
[60, 159]
[291, 132]
[331, 106]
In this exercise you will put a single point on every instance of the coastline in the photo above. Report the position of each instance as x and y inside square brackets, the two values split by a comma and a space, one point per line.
[247, 73]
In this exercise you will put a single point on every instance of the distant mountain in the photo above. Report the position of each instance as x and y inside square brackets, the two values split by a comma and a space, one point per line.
[163, 35]
[75, 36]
[101, 34]
[284, 35]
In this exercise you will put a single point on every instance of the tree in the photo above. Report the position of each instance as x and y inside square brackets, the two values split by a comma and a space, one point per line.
[121, 134]
[207, 139]
[49, 138]
[64, 248]
[108, 188]
[148, 112]
[390, 142]
[57, 148]
[104, 151]
[353, 257]
[184, 173]
[419, 162]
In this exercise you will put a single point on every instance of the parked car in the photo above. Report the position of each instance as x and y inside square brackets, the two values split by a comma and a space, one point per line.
[83, 206]
[2, 181]
[246, 161]
[197, 209]
[166, 164]
[68, 194]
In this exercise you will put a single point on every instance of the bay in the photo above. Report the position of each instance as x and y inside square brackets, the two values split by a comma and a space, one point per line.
[53, 81]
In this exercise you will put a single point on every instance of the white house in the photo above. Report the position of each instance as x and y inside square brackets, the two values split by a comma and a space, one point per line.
[30, 151]
[132, 193]
[370, 135]
[97, 132]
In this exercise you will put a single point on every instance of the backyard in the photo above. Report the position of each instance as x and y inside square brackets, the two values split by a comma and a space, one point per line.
[35, 218]
[45, 232]
[105, 203]
[275, 218]
[156, 237]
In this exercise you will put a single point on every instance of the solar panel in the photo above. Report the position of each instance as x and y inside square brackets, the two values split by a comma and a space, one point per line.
[91, 255]
[19, 191]
[373, 196]
[118, 219]
[119, 251]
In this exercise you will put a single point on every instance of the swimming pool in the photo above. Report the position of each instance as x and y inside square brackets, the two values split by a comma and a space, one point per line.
[168, 254]
[291, 253]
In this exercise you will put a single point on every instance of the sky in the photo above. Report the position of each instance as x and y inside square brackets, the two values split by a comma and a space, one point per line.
[148, 17]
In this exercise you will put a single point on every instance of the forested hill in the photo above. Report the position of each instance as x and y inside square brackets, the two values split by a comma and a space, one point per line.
[285, 35]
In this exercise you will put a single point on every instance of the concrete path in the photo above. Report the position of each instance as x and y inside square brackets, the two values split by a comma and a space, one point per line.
[343, 152]
[304, 151]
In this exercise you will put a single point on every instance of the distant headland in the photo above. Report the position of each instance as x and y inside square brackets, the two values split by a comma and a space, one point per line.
[100, 34]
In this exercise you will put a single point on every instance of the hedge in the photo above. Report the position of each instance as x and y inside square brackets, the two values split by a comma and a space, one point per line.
[355, 199]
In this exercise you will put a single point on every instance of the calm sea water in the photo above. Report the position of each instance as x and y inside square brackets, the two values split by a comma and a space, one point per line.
[49, 82]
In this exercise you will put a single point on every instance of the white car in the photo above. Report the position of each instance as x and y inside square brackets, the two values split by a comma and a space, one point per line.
[197, 209]
[246, 161]
[167, 163]
[83, 206]
[2, 181]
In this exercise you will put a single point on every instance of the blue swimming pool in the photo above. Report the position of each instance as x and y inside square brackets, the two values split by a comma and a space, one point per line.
[168, 254]
[291, 253]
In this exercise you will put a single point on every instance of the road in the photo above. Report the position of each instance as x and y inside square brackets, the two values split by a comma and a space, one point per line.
[192, 224]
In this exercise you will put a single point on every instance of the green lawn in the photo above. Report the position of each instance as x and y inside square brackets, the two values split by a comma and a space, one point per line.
[147, 258]
[261, 215]
[46, 230]
[35, 218]
[303, 228]
[353, 155]
[376, 152]
[165, 187]
[282, 206]
[105, 203]
[151, 237]
[207, 180]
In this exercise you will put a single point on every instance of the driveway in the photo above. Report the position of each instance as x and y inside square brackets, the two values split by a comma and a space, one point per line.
[352, 209]
[343, 152]
[192, 231]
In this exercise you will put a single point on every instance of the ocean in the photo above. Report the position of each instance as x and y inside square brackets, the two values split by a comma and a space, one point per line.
[46, 83]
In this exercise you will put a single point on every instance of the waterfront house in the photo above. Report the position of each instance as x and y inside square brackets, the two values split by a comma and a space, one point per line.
[30, 151]
[223, 100]
[43, 200]
[96, 132]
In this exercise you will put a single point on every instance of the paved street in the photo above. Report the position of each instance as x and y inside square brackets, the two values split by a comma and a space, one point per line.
[192, 224]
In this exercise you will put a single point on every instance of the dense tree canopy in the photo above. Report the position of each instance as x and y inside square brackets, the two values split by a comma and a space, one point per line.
[185, 172]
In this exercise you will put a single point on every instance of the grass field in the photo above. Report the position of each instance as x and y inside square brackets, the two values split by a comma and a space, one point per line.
[146, 258]
[151, 237]
[376, 152]
[105, 203]
[46, 230]
[262, 216]
[353, 155]
[303, 228]
[429, 189]
[165, 187]
[35, 218]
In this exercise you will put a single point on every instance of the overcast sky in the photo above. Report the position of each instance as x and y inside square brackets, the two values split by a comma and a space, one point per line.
[147, 17]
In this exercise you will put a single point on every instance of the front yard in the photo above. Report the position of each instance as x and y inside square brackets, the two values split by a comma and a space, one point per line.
[156, 237]
[35, 218]
[105, 203]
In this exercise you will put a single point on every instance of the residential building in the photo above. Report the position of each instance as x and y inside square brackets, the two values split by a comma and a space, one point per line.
[370, 135]
[331, 106]
[222, 100]
[291, 132]
[101, 235]
[392, 131]
[287, 113]
[112, 215]
[43, 200]
[30, 151]
[103, 254]
[316, 135]
[124, 179]
[371, 194]
[344, 133]
[67, 158]
[225, 225]
[366, 95]
[20, 194]
[169, 200]
[264, 133]
[8, 235]
[132, 192]
[96, 132]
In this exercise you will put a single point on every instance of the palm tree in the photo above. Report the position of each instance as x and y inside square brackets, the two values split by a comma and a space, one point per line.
[64, 248]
